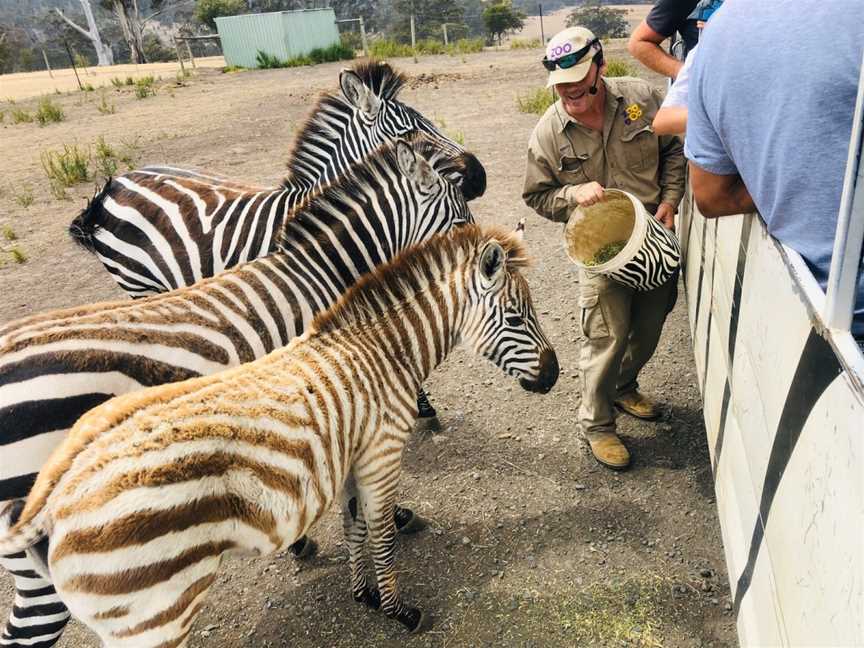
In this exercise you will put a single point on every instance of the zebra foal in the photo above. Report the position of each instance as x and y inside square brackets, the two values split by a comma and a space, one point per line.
[160, 484]
[56, 366]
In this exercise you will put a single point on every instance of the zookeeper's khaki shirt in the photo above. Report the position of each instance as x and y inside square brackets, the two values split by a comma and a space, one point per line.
[626, 155]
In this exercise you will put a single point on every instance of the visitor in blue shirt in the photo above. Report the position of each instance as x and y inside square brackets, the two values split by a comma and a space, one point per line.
[770, 106]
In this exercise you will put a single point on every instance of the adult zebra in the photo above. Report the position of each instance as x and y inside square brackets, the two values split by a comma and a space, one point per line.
[161, 228]
[162, 483]
[56, 366]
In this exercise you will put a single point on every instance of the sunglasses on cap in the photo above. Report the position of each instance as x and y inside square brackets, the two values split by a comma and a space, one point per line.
[569, 60]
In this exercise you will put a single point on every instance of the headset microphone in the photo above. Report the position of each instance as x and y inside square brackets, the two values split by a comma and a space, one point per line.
[593, 89]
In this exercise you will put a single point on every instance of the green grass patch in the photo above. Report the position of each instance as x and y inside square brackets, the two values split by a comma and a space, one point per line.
[519, 43]
[117, 82]
[25, 198]
[619, 68]
[267, 61]
[88, 87]
[20, 116]
[336, 52]
[48, 112]
[67, 167]
[228, 69]
[8, 233]
[105, 107]
[536, 101]
[17, 255]
[628, 613]
[105, 158]
[144, 87]
[466, 46]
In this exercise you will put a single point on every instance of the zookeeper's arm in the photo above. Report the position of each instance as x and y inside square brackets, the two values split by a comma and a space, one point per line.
[543, 190]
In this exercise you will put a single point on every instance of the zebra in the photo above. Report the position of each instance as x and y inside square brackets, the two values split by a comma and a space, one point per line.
[56, 366]
[161, 483]
[161, 228]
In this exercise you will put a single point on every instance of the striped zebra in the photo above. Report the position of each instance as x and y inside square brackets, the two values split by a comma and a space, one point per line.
[161, 228]
[56, 366]
[160, 484]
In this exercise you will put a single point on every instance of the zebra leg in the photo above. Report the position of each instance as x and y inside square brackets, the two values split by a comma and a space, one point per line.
[427, 417]
[354, 526]
[377, 505]
[38, 615]
[406, 520]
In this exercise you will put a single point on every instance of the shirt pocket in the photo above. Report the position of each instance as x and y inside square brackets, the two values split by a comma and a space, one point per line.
[573, 168]
[641, 149]
[593, 319]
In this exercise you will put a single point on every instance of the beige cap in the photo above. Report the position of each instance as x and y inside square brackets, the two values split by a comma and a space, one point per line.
[567, 42]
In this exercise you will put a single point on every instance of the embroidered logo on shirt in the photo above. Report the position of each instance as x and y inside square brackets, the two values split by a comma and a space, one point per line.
[634, 112]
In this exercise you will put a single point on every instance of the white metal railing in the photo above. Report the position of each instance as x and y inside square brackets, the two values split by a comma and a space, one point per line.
[845, 260]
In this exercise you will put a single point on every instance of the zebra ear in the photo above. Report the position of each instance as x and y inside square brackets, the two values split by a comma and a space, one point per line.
[491, 262]
[358, 93]
[415, 166]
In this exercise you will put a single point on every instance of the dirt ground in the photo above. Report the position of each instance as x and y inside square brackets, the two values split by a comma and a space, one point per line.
[530, 542]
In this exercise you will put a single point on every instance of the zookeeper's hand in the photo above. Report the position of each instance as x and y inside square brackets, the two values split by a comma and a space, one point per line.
[666, 215]
[586, 194]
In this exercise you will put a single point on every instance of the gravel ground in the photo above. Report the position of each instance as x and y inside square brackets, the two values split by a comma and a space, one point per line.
[530, 542]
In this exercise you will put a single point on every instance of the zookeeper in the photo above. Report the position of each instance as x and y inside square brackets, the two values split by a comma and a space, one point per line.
[597, 135]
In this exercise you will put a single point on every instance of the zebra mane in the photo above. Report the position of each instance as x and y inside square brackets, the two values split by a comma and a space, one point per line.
[411, 271]
[377, 75]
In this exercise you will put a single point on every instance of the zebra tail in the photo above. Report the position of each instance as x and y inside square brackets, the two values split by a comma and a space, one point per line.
[24, 533]
[92, 217]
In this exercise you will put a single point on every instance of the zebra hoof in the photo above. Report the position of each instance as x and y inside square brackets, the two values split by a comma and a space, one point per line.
[407, 521]
[370, 597]
[429, 424]
[413, 619]
[304, 548]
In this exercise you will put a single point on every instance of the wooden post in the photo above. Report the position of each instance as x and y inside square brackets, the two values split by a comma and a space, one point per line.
[363, 38]
[74, 69]
[179, 57]
[189, 51]
[444, 27]
[542, 33]
[413, 34]
[47, 64]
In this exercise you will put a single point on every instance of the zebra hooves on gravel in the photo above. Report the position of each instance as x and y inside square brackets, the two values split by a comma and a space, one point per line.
[304, 548]
[427, 417]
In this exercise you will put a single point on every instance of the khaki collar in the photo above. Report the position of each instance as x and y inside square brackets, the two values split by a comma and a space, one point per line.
[612, 97]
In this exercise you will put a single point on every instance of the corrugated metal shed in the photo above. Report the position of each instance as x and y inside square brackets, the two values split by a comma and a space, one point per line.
[284, 34]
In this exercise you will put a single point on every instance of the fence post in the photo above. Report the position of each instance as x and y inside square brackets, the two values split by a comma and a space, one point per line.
[413, 35]
[542, 33]
[363, 38]
[179, 56]
[74, 69]
[444, 27]
[189, 51]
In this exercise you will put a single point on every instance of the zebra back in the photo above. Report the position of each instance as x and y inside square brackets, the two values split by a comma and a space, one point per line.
[160, 228]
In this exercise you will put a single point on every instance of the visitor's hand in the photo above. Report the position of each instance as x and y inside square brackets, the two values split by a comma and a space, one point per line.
[666, 215]
[586, 194]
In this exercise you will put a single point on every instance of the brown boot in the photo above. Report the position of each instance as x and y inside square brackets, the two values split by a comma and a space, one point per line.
[608, 449]
[638, 405]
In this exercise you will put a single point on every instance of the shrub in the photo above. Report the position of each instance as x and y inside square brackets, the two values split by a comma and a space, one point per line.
[88, 87]
[18, 255]
[25, 198]
[466, 46]
[117, 82]
[104, 107]
[48, 112]
[267, 61]
[518, 43]
[20, 116]
[106, 158]
[68, 167]
[605, 22]
[144, 87]
[351, 40]
[206, 11]
[384, 48]
[619, 68]
[536, 101]
[129, 81]
[8, 233]
[336, 52]
[430, 47]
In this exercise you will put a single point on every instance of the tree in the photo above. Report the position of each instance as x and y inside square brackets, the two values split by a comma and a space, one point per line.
[206, 11]
[104, 56]
[604, 22]
[429, 15]
[501, 18]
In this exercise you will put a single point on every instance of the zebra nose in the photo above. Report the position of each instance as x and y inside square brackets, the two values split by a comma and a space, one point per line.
[547, 376]
[474, 184]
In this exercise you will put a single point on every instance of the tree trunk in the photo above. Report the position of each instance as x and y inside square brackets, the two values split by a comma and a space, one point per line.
[104, 55]
[131, 31]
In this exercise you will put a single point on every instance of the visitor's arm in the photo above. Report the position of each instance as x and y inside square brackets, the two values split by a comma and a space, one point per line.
[644, 45]
[719, 195]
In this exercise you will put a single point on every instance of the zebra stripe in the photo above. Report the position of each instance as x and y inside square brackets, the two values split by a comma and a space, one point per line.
[48, 362]
[161, 483]
[161, 228]
[654, 263]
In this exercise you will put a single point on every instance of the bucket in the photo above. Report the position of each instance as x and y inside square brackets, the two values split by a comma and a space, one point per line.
[619, 239]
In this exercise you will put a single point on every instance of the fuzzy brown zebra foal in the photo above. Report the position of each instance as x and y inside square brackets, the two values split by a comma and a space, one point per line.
[151, 488]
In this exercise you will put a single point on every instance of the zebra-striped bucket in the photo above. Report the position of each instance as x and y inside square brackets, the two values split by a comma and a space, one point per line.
[618, 238]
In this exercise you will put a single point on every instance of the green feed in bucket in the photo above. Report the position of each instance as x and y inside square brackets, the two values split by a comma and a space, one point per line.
[606, 253]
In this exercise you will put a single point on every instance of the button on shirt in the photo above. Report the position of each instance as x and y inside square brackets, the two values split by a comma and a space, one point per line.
[627, 155]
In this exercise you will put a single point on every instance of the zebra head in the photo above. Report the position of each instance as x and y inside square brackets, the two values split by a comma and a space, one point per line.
[371, 89]
[501, 323]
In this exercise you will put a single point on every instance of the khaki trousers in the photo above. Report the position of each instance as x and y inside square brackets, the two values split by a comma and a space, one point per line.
[620, 327]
